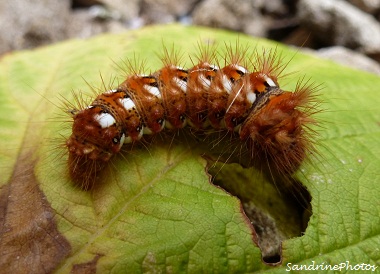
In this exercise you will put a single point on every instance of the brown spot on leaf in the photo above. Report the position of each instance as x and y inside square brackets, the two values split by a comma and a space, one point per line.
[86, 268]
[29, 239]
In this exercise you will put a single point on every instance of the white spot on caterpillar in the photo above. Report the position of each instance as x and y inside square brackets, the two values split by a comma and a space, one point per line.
[169, 125]
[153, 90]
[214, 67]
[141, 133]
[270, 82]
[105, 119]
[251, 97]
[163, 124]
[206, 83]
[227, 84]
[110, 91]
[122, 140]
[240, 68]
[147, 130]
[127, 103]
[129, 140]
[181, 84]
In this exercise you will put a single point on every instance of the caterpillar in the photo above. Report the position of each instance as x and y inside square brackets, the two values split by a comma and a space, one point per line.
[241, 97]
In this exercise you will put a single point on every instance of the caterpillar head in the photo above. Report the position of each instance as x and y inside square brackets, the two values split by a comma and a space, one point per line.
[277, 129]
[95, 135]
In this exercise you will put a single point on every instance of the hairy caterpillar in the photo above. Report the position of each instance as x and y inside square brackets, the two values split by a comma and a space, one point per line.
[242, 97]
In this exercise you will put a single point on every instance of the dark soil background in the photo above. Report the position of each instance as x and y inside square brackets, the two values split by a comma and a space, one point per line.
[345, 31]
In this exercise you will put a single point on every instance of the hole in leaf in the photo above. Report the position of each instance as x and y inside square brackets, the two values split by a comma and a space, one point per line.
[276, 213]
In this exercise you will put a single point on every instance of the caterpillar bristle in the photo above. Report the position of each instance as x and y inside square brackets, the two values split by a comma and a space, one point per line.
[84, 171]
[237, 54]
[206, 53]
[132, 66]
[268, 62]
[171, 56]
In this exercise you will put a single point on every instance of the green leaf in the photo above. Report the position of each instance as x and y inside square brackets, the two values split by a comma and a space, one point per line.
[154, 208]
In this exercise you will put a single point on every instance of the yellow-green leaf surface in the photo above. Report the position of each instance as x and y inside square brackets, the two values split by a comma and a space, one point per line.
[155, 209]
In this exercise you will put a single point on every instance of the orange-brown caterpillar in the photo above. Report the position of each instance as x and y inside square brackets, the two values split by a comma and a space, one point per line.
[272, 122]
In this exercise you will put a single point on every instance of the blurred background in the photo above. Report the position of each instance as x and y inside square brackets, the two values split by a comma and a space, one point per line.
[347, 31]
